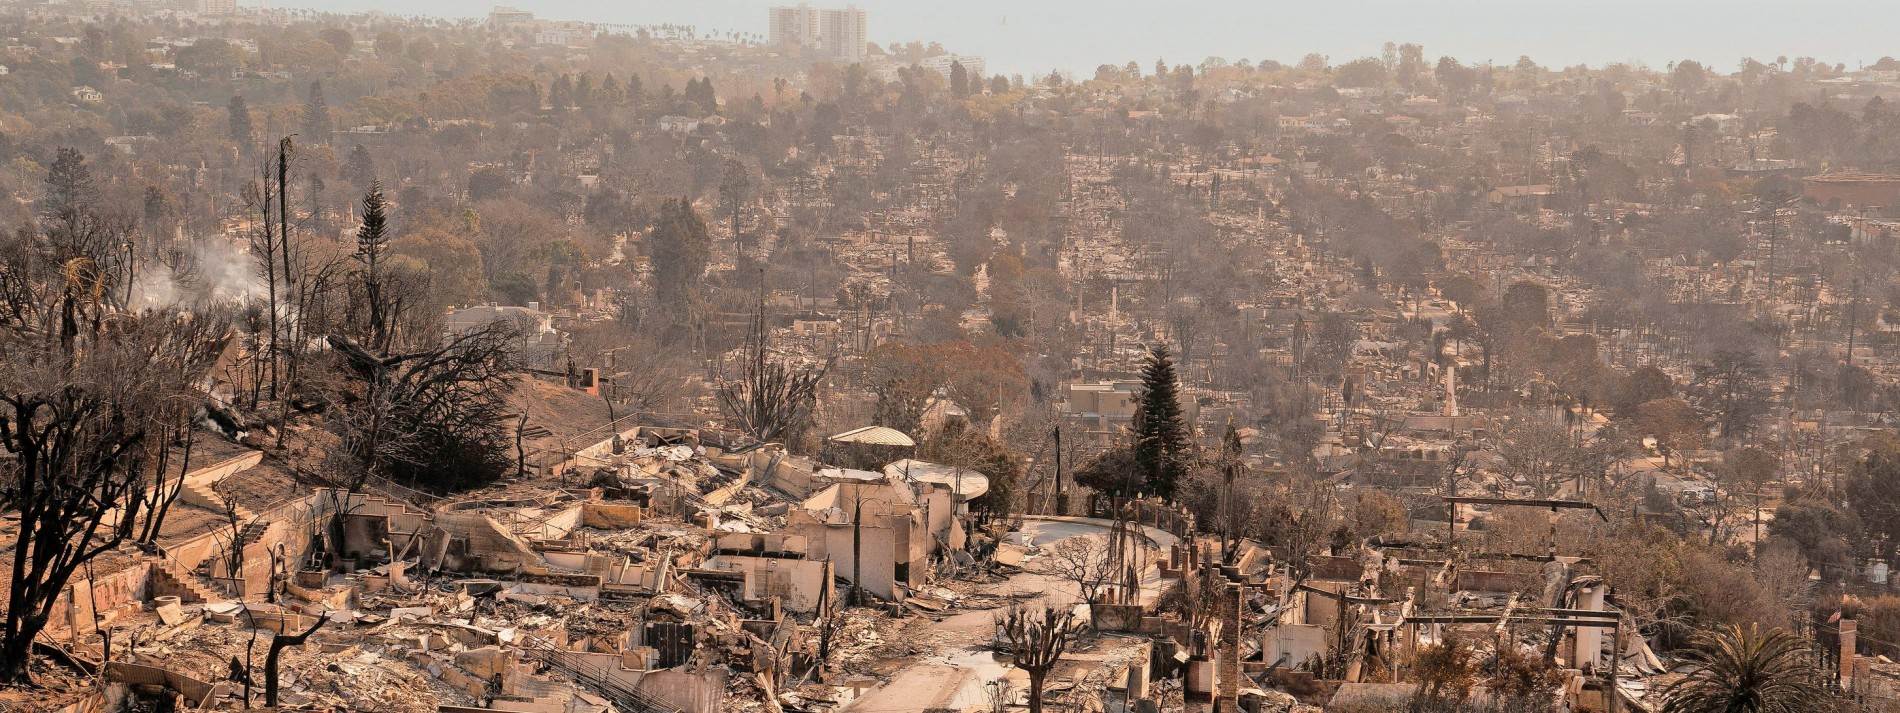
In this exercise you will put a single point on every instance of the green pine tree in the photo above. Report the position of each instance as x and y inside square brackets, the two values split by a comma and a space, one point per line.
[1162, 444]
[372, 245]
[68, 186]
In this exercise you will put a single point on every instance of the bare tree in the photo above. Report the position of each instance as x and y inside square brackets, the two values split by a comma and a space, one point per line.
[1085, 562]
[1538, 452]
[771, 399]
[640, 373]
[1000, 694]
[74, 425]
[259, 196]
[905, 379]
[1731, 387]
[157, 500]
[1186, 324]
[1200, 596]
[287, 253]
[1302, 521]
[1231, 461]
[436, 416]
[732, 189]
[232, 538]
[277, 644]
[1037, 640]
[83, 386]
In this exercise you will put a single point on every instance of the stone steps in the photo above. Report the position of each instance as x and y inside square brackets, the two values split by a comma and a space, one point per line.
[252, 532]
[201, 495]
[173, 574]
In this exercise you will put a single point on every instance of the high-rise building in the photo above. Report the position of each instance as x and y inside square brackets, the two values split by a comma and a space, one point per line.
[504, 17]
[217, 7]
[794, 26]
[841, 33]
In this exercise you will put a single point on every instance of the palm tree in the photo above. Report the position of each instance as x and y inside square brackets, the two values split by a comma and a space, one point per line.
[1742, 671]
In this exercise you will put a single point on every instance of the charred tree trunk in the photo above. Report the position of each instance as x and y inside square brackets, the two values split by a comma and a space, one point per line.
[278, 644]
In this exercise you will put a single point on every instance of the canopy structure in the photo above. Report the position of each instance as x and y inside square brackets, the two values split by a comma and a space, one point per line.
[967, 483]
[874, 436]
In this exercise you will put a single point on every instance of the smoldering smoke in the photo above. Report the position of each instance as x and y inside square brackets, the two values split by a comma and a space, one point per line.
[205, 272]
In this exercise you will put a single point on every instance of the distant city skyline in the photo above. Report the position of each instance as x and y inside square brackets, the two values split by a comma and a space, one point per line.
[1077, 35]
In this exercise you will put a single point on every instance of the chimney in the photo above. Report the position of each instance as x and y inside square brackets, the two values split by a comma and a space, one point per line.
[1849, 630]
[1228, 697]
[1451, 391]
[1588, 653]
[1137, 681]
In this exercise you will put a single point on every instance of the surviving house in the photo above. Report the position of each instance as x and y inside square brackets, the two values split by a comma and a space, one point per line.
[541, 345]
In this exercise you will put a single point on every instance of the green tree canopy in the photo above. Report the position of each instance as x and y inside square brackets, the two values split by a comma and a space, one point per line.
[1162, 448]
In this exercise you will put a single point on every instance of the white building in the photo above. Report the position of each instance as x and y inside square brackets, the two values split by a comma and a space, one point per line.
[1722, 123]
[560, 35]
[794, 26]
[973, 66]
[217, 7]
[678, 124]
[842, 34]
[505, 17]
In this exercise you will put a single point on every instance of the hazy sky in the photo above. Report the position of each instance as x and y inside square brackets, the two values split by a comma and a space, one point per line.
[1077, 35]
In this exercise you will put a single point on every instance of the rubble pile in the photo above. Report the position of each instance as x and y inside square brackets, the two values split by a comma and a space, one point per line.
[536, 596]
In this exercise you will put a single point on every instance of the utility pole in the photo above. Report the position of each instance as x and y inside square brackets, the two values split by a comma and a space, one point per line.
[1774, 226]
[1616, 658]
[283, 235]
[1853, 305]
[857, 544]
[1055, 488]
[1758, 497]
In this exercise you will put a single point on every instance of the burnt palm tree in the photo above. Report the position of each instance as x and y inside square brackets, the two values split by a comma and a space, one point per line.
[1743, 671]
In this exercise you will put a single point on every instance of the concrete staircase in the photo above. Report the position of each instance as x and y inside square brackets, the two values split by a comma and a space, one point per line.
[625, 697]
[207, 571]
[167, 575]
[201, 495]
[252, 532]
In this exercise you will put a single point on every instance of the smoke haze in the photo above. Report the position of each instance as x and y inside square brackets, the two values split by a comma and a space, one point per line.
[1077, 35]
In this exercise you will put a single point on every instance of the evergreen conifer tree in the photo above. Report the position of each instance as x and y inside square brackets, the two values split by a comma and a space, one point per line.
[1162, 442]
[959, 80]
[316, 116]
[68, 186]
[372, 243]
